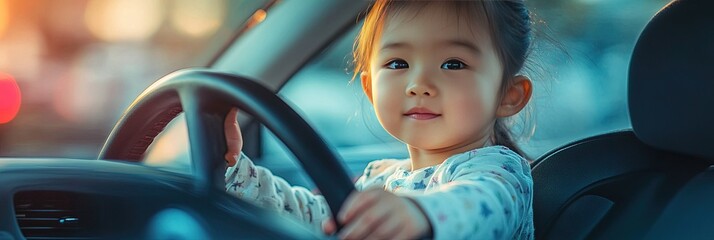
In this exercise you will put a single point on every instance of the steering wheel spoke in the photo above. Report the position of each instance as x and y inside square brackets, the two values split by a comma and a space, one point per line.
[204, 120]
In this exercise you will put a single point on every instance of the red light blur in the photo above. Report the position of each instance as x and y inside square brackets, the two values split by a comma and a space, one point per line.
[9, 98]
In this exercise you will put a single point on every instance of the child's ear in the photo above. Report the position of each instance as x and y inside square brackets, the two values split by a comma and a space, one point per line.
[516, 97]
[366, 81]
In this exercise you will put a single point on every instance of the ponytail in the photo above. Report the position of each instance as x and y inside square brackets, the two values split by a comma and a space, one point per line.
[502, 136]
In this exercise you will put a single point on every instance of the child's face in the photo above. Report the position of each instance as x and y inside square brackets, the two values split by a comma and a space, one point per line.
[446, 71]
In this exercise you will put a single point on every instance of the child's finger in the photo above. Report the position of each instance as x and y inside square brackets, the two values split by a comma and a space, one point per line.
[364, 223]
[351, 231]
[403, 233]
[357, 202]
[329, 226]
[234, 140]
[387, 229]
[231, 159]
[347, 205]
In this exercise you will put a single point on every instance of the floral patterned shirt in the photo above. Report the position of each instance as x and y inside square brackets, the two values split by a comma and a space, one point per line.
[484, 193]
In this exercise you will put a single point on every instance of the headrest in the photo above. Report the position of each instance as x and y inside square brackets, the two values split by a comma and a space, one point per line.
[671, 80]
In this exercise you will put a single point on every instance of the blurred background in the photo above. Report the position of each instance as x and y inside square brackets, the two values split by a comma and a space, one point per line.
[79, 63]
[580, 68]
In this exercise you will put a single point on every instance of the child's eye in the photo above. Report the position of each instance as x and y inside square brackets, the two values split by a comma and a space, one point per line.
[397, 64]
[453, 64]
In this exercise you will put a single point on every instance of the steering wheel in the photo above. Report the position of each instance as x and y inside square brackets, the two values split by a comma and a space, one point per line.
[205, 97]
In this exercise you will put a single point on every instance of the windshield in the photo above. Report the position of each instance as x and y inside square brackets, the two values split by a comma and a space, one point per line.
[79, 64]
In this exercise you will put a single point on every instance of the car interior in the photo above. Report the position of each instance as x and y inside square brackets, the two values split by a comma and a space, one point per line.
[650, 181]
[653, 181]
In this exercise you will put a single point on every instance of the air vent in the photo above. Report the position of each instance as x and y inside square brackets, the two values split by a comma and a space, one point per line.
[53, 215]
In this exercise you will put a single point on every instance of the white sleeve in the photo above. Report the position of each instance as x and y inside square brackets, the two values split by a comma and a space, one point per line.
[486, 196]
[258, 185]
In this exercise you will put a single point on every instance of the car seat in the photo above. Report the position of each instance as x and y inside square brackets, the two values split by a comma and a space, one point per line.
[654, 180]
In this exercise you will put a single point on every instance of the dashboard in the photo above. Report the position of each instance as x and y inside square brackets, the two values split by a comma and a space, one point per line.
[96, 199]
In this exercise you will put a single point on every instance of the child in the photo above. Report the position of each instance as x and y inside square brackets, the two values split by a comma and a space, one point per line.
[441, 77]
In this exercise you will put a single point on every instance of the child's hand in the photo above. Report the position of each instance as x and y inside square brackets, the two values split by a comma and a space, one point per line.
[377, 214]
[234, 140]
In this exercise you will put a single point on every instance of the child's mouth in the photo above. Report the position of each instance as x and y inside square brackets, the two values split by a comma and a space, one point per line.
[422, 116]
[421, 113]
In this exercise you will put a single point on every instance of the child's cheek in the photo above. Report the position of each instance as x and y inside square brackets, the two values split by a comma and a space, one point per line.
[483, 92]
[388, 97]
[470, 110]
[470, 103]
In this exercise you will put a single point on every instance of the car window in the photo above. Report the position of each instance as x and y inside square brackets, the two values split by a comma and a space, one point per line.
[325, 95]
[79, 64]
[580, 83]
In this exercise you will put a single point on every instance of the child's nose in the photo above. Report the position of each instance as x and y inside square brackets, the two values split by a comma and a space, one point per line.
[421, 86]
[419, 90]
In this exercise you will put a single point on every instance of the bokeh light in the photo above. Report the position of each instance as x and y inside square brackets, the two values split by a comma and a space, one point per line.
[9, 98]
[257, 17]
[123, 20]
[4, 16]
[198, 18]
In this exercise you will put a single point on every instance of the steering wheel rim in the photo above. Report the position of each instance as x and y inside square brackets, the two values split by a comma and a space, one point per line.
[205, 97]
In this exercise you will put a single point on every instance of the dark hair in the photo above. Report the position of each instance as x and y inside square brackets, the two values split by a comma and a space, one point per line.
[509, 23]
